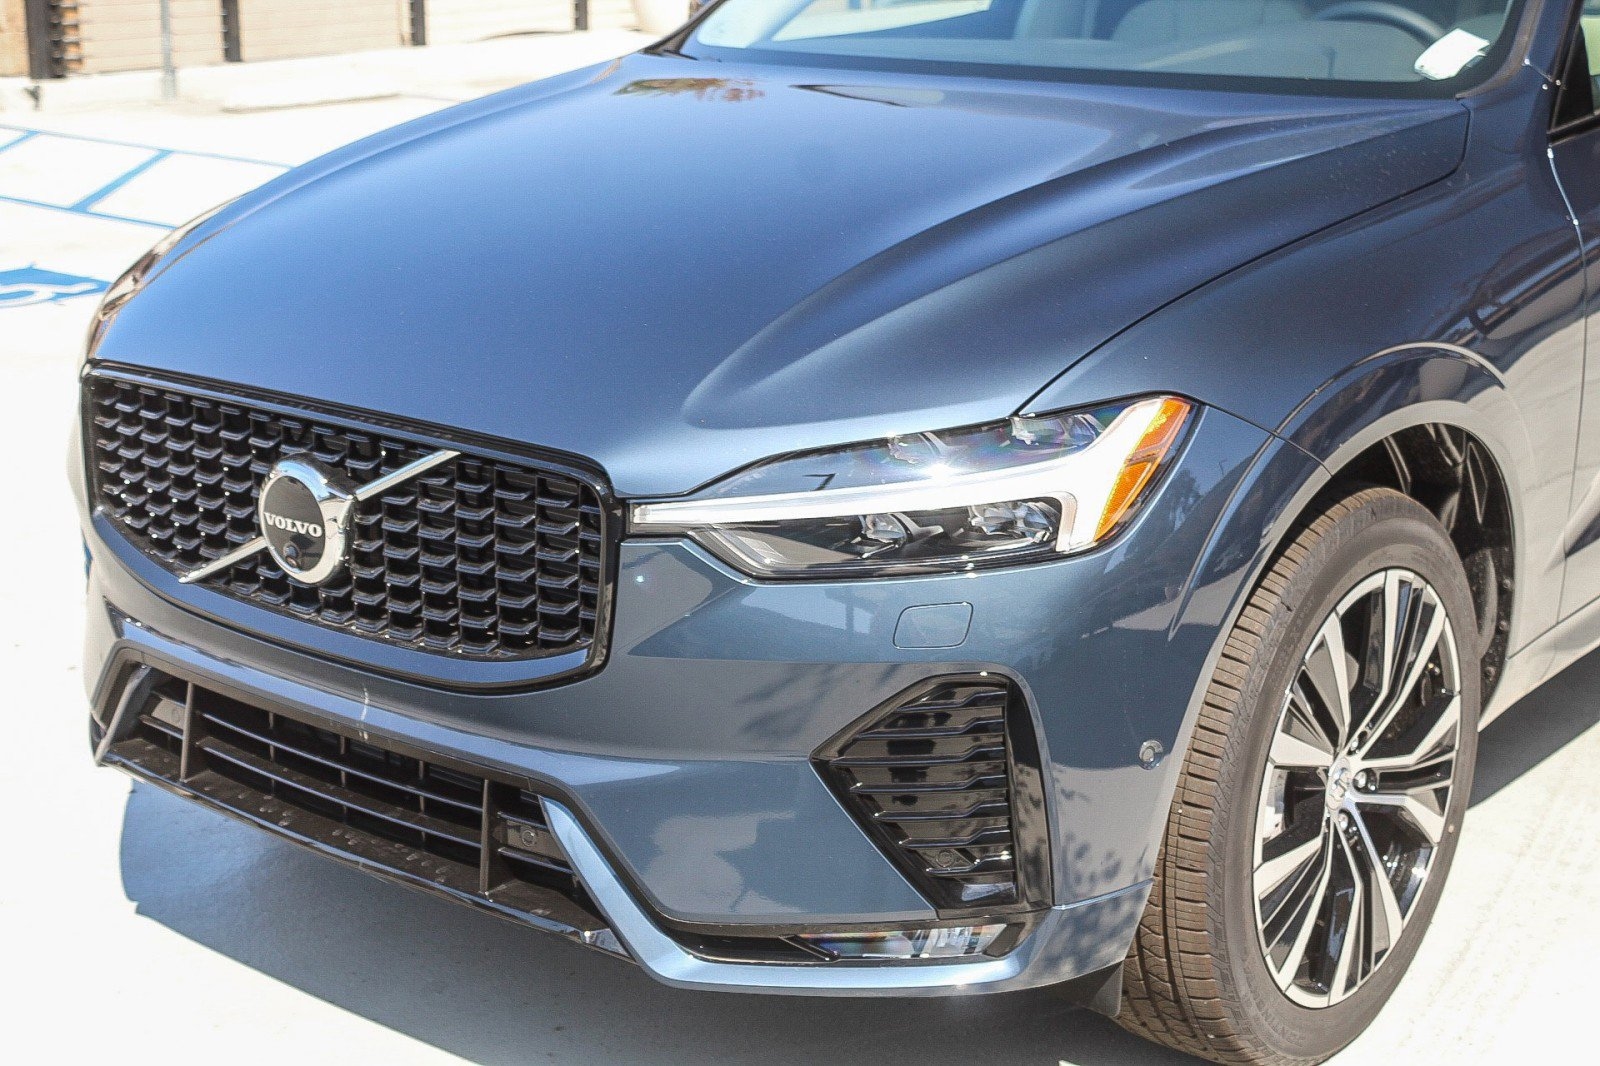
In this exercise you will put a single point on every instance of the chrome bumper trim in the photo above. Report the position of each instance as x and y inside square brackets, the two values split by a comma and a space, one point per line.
[674, 965]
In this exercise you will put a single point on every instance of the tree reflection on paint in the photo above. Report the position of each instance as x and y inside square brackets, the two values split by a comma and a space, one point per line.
[730, 90]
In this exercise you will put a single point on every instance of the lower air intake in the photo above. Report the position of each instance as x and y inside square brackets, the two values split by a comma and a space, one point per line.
[402, 813]
[945, 778]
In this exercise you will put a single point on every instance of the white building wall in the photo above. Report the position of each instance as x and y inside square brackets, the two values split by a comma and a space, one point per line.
[458, 21]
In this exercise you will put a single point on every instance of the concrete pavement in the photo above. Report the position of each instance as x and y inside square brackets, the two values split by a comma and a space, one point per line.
[141, 929]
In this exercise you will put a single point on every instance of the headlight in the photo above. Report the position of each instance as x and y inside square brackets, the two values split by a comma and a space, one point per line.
[133, 279]
[1026, 489]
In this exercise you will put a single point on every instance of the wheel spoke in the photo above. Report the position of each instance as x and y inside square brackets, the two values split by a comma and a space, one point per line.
[1426, 626]
[1290, 750]
[1327, 667]
[1440, 737]
[1274, 872]
[1374, 875]
[1307, 724]
[1383, 637]
[1307, 904]
[1418, 805]
[1353, 940]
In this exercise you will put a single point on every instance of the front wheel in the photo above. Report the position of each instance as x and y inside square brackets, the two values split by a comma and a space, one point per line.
[1321, 800]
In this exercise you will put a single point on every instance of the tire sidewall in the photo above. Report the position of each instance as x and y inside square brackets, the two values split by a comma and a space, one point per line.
[1384, 530]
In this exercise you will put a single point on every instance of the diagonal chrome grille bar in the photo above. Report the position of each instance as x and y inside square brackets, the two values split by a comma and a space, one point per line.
[374, 489]
[371, 490]
[238, 555]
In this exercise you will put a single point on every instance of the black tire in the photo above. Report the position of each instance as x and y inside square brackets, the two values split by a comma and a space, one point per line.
[1196, 978]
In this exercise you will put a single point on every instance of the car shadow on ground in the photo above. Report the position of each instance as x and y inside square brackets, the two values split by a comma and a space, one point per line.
[493, 992]
[1560, 712]
[496, 993]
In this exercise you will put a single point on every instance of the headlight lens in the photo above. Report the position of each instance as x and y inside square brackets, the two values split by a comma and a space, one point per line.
[1029, 488]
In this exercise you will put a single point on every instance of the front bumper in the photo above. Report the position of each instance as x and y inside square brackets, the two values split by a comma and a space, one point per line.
[681, 778]
[1077, 945]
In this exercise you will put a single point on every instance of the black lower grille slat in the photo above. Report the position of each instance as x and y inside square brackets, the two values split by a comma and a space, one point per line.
[998, 808]
[164, 728]
[942, 732]
[343, 797]
[474, 809]
[516, 856]
[479, 558]
[399, 811]
[990, 754]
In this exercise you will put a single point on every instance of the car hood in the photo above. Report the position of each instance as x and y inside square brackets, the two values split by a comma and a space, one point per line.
[675, 268]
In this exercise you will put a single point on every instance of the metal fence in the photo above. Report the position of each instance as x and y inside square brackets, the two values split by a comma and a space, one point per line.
[66, 37]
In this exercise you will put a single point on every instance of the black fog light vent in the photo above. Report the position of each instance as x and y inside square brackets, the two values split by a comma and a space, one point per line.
[946, 779]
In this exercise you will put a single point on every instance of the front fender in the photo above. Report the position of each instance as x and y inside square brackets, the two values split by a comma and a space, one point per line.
[1372, 400]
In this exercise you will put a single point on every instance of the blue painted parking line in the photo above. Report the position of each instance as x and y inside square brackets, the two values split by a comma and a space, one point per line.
[29, 133]
[118, 182]
[31, 175]
[21, 202]
[30, 285]
[85, 206]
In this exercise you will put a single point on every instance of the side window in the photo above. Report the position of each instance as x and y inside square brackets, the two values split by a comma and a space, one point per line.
[1580, 82]
[1590, 26]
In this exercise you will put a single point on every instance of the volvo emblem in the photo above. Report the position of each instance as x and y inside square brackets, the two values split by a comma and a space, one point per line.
[304, 512]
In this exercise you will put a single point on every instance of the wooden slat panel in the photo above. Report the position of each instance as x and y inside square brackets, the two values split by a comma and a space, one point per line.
[280, 29]
[126, 34]
[13, 39]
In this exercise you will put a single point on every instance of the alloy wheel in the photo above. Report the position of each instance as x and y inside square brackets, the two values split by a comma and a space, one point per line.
[1357, 787]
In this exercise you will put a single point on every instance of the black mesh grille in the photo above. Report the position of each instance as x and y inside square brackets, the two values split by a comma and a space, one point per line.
[477, 558]
[930, 776]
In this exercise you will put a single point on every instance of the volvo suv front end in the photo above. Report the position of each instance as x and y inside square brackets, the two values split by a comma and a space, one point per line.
[854, 502]
[647, 725]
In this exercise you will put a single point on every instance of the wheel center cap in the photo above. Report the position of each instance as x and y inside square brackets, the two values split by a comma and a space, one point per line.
[1341, 776]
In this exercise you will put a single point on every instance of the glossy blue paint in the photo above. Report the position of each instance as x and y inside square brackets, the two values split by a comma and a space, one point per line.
[1463, 303]
[674, 269]
[758, 276]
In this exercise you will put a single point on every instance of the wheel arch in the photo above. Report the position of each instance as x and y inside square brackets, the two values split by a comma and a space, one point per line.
[1438, 425]
[1339, 439]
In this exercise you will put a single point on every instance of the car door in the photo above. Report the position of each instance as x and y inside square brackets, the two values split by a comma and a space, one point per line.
[1575, 154]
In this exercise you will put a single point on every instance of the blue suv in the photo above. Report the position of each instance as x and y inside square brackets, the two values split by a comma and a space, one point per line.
[889, 497]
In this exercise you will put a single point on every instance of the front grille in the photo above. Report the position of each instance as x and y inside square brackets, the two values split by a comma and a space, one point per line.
[447, 826]
[478, 558]
[935, 778]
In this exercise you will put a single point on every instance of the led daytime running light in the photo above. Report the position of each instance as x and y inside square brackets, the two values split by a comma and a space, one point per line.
[1025, 490]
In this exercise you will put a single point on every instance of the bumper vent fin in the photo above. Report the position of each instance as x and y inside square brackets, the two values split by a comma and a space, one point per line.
[945, 778]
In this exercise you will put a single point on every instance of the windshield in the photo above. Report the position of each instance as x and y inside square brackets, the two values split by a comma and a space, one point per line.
[1412, 47]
